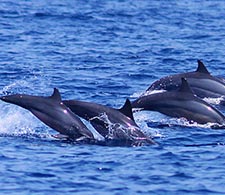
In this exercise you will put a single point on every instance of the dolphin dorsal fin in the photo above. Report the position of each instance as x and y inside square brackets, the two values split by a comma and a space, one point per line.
[56, 95]
[127, 109]
[201, 68]
[185, 86]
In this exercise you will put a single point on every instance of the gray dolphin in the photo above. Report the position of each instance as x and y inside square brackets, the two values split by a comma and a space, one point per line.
[112, 124]
[51, 111]
[201, 82]
[181, 103]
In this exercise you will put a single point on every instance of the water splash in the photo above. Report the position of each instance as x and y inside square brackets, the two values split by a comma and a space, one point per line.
[136, 95]
[96, 135]
[153, 121]
[145, 93]
[215, 101]
[182, 122]
[142, 118]
[153, 92]
[11, 87]
[15, 121]
[117, 130]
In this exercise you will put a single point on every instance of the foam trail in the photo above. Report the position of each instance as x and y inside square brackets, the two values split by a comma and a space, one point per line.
[115, 129]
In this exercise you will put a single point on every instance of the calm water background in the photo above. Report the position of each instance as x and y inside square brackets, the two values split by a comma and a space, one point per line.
[106, 51]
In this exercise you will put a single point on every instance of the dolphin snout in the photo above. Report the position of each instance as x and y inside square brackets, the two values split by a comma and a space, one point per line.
[8, 98]
[3, 98]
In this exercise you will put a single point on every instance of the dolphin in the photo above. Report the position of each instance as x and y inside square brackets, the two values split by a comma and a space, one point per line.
[112, 124]
[51, 111]
[203, 84]
[181, 103]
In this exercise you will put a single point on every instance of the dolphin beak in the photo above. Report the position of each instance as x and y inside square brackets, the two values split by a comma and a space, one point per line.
[9, 99]
[6, 99]
[3, 98]
[15, 99]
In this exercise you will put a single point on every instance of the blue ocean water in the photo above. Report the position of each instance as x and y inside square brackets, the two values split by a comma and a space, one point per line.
[105, 52]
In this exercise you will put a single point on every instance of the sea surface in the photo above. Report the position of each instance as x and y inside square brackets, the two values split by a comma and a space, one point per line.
[105, 52]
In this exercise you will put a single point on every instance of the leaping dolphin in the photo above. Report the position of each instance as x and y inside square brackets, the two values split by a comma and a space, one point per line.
[51, 111]
[201, 82]
[181, 103]
[112, 124]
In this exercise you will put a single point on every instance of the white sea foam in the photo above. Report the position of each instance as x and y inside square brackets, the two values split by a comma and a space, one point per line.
[138, 94]
[142, 118]
[15, 120]
[153, 92]
[215, 101]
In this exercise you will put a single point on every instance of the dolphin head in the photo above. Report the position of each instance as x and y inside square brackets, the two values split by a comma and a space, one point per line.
[32, 102]
[17, 99]
[28, 102]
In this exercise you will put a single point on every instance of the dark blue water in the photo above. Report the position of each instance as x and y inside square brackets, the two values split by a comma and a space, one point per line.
[104, 52]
